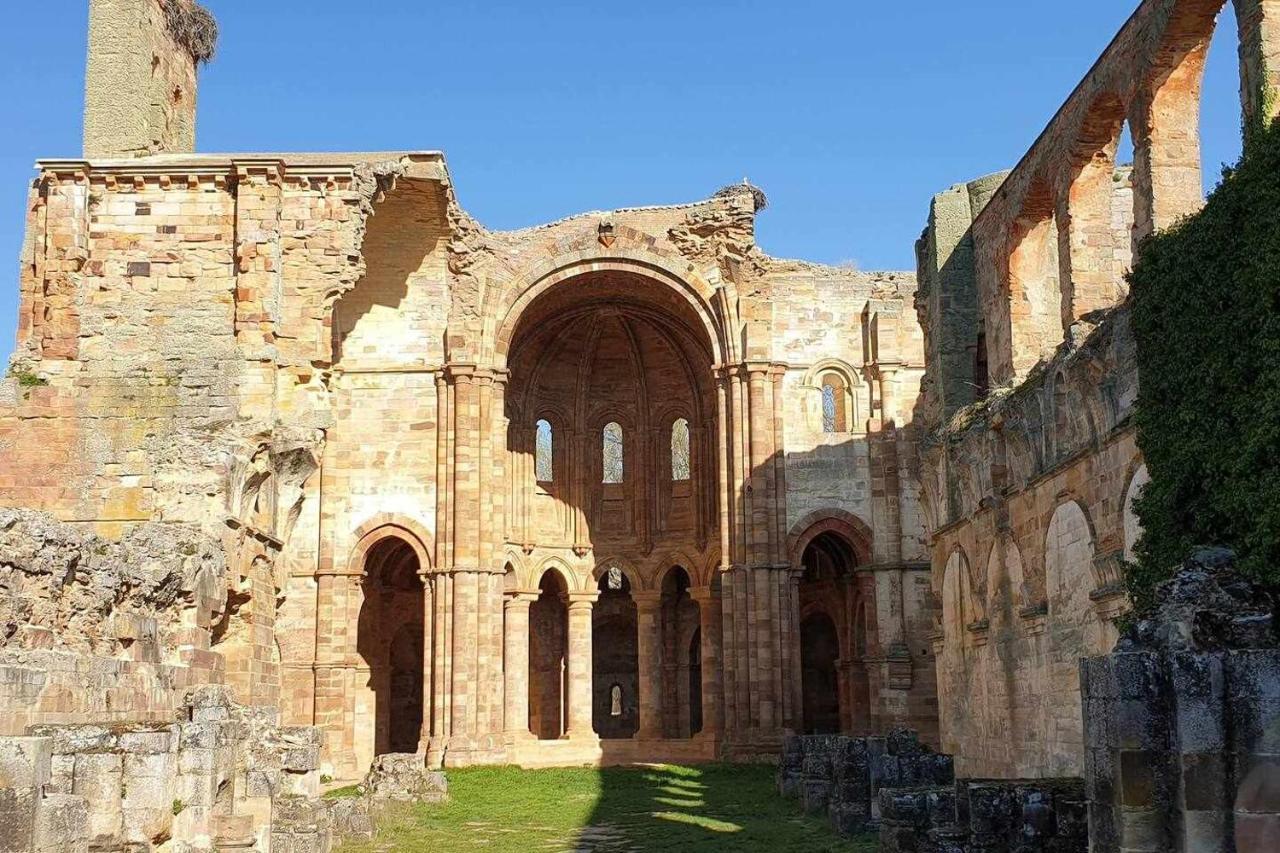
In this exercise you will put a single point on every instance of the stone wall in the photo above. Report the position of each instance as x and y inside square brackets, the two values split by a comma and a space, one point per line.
[1030, 467]
[215, 778]
[93, 630]
[1181, 720]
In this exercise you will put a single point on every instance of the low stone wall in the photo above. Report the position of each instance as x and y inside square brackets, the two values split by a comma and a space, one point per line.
[986, 816]
[909, 793]
[216, 778]
[841, 777]
[1182, 720]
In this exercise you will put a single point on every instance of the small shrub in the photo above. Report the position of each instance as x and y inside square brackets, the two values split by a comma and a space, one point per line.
[178, 807]
[27, 379]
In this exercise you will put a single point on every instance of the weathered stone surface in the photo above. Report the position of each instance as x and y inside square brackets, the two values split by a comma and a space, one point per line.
[1181, 717]
[405, 777]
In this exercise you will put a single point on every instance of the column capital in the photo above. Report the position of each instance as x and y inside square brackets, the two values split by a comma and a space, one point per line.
[646, 597]
[702, 594]
[581, 600]
[519, 599]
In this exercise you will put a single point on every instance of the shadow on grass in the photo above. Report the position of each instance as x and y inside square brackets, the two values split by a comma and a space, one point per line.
[674, 809]
[714, 807]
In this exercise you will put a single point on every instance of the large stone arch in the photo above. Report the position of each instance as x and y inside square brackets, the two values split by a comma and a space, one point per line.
[682, 279]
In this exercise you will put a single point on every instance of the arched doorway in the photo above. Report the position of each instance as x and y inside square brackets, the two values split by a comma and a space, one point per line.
[819, 658]
[390, 640]
[615, 680]
[680, 619]
[548, 658]
[834, 631]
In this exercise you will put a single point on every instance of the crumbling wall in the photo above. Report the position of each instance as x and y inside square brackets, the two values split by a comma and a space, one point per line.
[1181, 720]
[1030, 494]
[103, 631]
[219, 776]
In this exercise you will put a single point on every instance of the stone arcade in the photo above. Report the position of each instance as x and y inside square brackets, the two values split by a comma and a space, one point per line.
[620, 487]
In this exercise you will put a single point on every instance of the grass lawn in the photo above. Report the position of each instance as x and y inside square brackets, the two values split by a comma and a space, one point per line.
[717, 807]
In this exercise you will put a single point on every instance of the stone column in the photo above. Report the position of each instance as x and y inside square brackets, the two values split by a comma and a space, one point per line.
[649, 661]
[710, 626]
[1258, 23]
[516, 662]
[579, 723]
[794, 686]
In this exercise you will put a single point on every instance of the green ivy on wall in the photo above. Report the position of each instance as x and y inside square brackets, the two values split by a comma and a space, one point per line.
[1206, 316]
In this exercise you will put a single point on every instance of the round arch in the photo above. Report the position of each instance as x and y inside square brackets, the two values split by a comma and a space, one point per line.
[845, 524]
[633, 576]
[685, 282]
[385, 526]
[557, 565]
[682, 559]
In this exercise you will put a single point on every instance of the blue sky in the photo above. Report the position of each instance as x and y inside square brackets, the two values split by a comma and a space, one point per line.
[849, 114]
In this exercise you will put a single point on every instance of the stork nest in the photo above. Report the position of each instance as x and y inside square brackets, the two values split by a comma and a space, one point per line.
[757, 195]
[193, 27]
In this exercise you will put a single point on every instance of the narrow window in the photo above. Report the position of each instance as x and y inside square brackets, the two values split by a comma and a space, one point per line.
[834, 393]
[612, 453]
[680, 450]
[981, 374]
[615, 700]
[544, 453]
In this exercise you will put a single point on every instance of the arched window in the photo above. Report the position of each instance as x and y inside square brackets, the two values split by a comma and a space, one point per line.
[835, 415]
[544, 453]
[680, 450]
[612, 436]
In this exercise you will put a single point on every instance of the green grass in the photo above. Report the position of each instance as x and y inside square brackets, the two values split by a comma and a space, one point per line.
[718, 807]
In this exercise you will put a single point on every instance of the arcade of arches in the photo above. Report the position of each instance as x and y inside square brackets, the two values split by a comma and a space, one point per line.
[648, 602]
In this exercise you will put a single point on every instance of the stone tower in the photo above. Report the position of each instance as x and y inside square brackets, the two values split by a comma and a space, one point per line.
[140, 84]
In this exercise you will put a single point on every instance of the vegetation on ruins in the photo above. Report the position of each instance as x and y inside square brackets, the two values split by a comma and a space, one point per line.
[716, 807]
[1206, 315]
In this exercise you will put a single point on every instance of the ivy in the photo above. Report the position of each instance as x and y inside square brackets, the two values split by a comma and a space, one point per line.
[1206, 316]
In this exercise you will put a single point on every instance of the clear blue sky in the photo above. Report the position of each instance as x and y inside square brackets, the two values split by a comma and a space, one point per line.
[849, 114]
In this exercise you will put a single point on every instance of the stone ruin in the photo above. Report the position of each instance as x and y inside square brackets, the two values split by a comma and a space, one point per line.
[1182, 720]
[217, 777]
[986, 816]
[909, 794]
[842, 776]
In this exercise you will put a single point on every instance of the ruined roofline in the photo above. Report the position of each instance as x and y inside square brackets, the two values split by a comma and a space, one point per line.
[157, 164]
[709, 201]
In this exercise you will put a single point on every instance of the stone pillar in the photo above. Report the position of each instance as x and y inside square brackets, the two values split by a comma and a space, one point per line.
[1259, 32]
[579, 716]
[709, 616]
[649, 661]
[516, 663]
